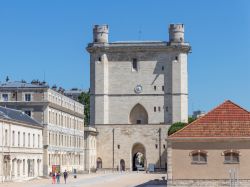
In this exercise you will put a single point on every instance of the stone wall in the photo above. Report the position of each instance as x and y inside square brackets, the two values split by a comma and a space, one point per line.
[127, 136]
[207, 183]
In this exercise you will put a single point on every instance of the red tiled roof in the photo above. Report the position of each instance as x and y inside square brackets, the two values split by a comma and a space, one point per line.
[226, 120]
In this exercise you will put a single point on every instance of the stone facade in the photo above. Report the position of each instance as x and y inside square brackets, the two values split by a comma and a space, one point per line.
[119, 142]
[215, 167]
[137, 89]
[21, 150]
[90, 134]
[62, 117]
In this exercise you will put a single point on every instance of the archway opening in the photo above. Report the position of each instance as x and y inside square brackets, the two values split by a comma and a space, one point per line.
[122, 165]
[99, 163]
[138, 115]
[138, 157]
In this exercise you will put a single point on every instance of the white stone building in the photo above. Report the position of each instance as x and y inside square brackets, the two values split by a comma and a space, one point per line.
[138, 88]
[62, 117]
[21, 146]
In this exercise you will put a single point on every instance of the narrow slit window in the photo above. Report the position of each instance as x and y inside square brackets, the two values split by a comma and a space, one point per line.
[154, 87]
[135, 64]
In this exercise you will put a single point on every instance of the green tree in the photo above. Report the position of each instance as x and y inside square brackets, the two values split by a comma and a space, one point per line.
[84, 99]
[175, 127]
[191, 119]
[179, 125]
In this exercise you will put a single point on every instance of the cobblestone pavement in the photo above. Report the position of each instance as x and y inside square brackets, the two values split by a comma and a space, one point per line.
[99, 180]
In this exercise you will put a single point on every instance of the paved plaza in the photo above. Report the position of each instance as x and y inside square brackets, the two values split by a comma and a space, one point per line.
[132, 179]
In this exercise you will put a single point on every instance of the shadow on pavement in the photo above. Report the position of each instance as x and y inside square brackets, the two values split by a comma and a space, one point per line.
[155, 182]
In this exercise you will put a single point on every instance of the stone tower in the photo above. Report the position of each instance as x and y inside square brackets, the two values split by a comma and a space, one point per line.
[138, 88]
[151, 73]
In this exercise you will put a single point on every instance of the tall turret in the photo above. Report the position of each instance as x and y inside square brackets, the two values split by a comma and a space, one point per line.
[176, 33]
[100, 33]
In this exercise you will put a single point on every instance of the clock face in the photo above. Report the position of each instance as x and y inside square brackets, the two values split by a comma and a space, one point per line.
[138, 89]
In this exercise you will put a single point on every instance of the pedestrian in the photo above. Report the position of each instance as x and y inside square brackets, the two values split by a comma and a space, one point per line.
[54, 178]
[58, 177]
[65, 176]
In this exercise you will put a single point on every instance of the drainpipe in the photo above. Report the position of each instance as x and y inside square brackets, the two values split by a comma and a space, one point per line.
[160, 147]
[113, 164]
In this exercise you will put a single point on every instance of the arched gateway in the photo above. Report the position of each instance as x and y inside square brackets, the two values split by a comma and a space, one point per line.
[138, 157]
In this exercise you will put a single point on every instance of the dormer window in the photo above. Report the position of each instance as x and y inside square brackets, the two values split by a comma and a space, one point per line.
[5, 97]
[134, 64]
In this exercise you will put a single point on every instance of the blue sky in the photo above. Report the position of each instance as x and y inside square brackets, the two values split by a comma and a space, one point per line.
[47, 38]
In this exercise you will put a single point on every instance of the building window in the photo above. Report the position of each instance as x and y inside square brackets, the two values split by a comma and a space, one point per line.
[18, 139]
[162, 88]
[154, 87]
[27, 97]
[27, 112]
[13, 138]
[100, 59]
[199, 157]
[29, 140]
[23, 166]
[33, 140]
[155, 109]
[231, 157]
[176, 57]
[134, 64]
[159, 108]
[38, 141]
[162, 68]
[156, 146]
[118, 146]
[166, 109]
[6, 137]
[24, 139]
[164, 146]
[5, 97]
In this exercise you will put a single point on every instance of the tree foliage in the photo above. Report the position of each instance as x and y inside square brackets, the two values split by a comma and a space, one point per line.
[175, 127]
[179, 125]
[84, 98]
[191, 119]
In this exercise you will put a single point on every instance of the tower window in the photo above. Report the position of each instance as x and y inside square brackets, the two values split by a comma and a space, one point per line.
[118, 146]
[159, 108]
[134, 65]
[154, 109]
[100, 59]
[162, 68]
[154, 87]
[166, 109]
[162, 88]
[156, 146]
[164, 146]
[176, 57]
